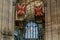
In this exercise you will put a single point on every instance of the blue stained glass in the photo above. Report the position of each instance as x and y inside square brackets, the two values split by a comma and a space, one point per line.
[31, 30]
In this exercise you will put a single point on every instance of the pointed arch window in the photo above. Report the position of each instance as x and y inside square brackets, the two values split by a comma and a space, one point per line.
[31, 30]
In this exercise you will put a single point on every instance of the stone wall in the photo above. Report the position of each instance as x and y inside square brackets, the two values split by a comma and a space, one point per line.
[52, 20]
[6, 18]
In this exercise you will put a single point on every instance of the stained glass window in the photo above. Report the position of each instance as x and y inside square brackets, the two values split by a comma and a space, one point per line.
[31, 30]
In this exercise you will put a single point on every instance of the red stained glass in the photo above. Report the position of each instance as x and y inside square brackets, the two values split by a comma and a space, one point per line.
[20, 9]
[38, 11]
